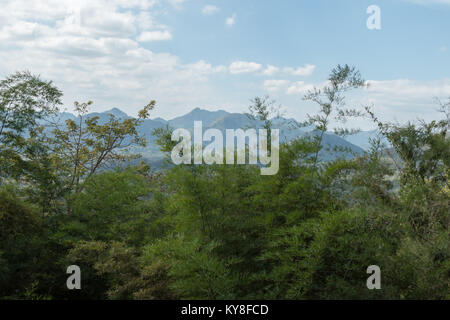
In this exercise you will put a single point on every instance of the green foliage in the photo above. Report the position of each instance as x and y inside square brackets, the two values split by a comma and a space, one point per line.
[22, 242]
[220, 231]
[331, 101]
[164, 138]
[345, 245]
[25, 100]
[195, 272]
[86, 146]
[114, 206]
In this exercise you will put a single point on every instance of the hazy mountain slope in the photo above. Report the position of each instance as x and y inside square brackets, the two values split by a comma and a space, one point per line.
[288, 131]
[362, 138]
[223, 120]
[330, 142]
[187, 121]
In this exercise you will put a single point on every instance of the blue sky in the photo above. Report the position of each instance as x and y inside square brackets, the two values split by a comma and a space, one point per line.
[322, 32]
[219, 54]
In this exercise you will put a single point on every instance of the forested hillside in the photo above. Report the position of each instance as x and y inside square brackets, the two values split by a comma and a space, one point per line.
[75, 192]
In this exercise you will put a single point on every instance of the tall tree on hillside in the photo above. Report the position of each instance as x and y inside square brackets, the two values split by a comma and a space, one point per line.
[25, 100]
[86, 145]
[331, 101]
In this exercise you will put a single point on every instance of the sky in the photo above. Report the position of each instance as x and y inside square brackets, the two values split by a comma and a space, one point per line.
[220, 54]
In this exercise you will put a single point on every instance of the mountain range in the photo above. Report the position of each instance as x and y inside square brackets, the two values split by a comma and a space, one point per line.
[222, 120]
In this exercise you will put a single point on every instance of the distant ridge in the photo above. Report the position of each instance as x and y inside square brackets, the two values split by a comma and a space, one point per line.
[223, 120]
[117, 113]
[187, 120]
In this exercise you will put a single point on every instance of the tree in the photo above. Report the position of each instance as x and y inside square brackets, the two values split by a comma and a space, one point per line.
[86, 145]
[25, 101]
[227, 232]
[332, 102]
[22, 244]
[116, 205]
[422, 155]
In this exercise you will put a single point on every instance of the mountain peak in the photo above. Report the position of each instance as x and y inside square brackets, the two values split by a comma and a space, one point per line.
[159, 119]
[204, 111]
[117, 113]
[200, 111]
[197, 114]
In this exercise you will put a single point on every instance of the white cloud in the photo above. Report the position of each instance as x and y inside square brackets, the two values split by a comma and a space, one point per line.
[299, 87]
[275, 85]
[23, 30]
[49, 10]
[88, 49]
[230, 21]
[177, 4]
[388, 92]
[202, 67]
[410, 89]
[239, 67]
[301, 71]
[392, 100]
[271, 70]
[404, 99]
[148, 36]
[93, 51]
[210, 9]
